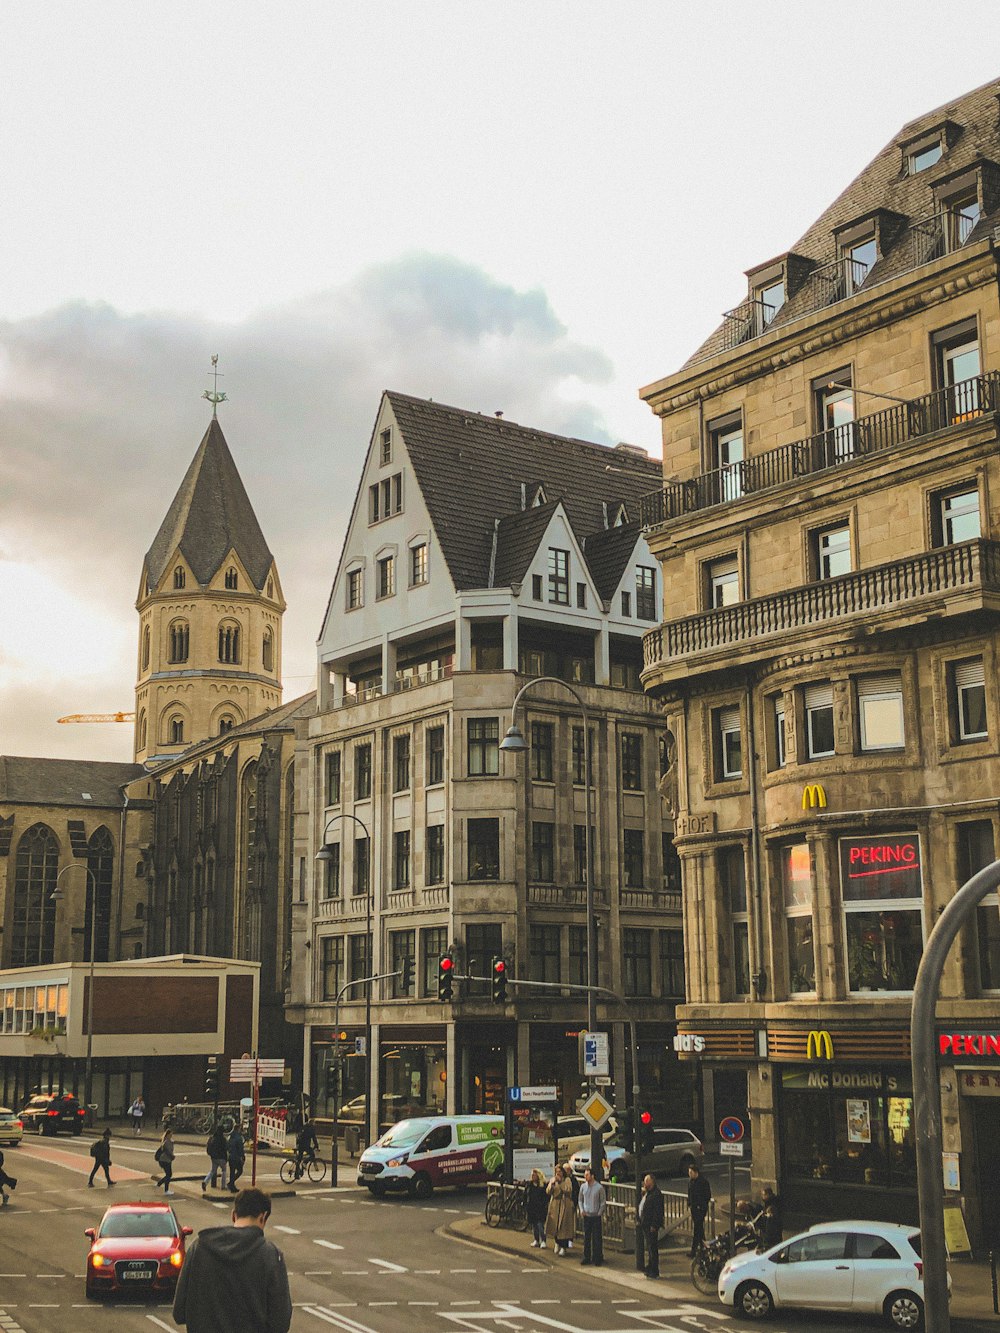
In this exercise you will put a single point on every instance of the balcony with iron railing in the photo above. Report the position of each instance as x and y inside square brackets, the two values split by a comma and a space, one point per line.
[945, 409]
[953, 580]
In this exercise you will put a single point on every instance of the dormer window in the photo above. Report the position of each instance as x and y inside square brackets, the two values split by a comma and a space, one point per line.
[919, 159]
[926, 149]
[232, 579]
[859, 259]
[621, 517]
[768, 300]
[539, 498]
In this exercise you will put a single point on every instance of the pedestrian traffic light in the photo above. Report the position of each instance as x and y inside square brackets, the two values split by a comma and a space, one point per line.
[644, 1133]
[446, 976]
[406, 980]
[212, 1081]
[625, 1133]
[499, 981]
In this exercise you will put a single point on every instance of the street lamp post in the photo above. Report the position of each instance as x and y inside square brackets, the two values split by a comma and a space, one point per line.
[324, 854]
[56, 897]
[515, 743]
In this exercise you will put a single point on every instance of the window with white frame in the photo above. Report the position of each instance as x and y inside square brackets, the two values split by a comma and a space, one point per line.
[880, 712]
[779, 747]
[955, 516]
[832, 551]
[958, 369]
[558, 576]
[722, 582]
[726, 455]
[385, 447]
[385, 581]
[968, 682]
[355, 593]
[881, 889]
[798, 888]
[418, 564]
[728, 744]
[819, 720]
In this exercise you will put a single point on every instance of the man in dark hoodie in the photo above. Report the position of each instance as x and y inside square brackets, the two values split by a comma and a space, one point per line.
[233, 1280]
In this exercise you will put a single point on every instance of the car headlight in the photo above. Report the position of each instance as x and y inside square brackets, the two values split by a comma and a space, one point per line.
[98, 1260]
[401, 1160]
[176, 1258]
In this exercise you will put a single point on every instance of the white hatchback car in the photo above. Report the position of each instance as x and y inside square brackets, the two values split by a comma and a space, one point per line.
[863, 1266]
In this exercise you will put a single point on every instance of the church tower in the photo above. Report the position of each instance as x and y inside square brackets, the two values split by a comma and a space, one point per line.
[210, 609]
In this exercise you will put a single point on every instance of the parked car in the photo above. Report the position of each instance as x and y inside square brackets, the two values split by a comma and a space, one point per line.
[573, 1134]
[11, 1128]
[857, 1266]
[139, 1247]
[49, 1112]
[674, 1150]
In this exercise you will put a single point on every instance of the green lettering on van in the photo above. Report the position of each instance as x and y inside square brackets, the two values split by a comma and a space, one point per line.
[469, 1132]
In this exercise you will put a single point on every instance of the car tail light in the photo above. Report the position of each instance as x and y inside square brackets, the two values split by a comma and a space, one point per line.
[920, 1269]
[52, 1112]
[82, 1110]
[18, 1124]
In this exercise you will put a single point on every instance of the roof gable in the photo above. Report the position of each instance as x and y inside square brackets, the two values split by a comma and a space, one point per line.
[608, 555]
[74, 782]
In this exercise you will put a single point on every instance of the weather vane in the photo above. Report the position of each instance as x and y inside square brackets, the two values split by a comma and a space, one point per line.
[213, 395]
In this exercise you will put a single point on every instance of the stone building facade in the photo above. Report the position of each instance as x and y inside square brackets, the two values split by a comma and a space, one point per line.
[828, 539]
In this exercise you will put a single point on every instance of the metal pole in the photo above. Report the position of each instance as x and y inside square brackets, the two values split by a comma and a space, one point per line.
[927, 1091]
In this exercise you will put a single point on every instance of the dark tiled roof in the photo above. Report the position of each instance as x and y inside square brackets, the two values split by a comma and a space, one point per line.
[210, 515]
[518, 536]
[471, 468]
[28, 781]
[608, 554]
[884, 185]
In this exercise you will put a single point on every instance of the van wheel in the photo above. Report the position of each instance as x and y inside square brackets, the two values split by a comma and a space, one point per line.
[904, 1310]
[377, 1191]
[421, 1187]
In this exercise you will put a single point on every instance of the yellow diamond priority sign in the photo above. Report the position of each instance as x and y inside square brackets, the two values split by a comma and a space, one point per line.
[595, 1109]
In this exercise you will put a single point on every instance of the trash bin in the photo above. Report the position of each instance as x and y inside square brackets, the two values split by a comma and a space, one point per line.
[352, 1139]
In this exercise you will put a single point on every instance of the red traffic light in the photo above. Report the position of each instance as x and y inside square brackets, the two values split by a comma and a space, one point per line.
[499, 966]
[645, 1118]
[446, 963]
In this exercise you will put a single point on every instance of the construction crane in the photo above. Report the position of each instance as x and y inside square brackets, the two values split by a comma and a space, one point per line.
[98, 717]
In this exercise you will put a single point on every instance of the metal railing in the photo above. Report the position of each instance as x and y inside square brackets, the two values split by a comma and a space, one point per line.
[747, 320]
[955, 405]
[619, 1217]
[969, 566]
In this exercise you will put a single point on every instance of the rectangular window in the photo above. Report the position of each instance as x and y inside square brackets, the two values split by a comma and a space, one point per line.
[645, 592]
[331, 965]
[881, 888]
[483, 943]
[418, 565]
[401, 763]
[959, 368]
[671, 864]
[362, 772]
[631, 761]
[401, 859]
[435, 756]
[484, 848]
[672, 964]
[637, 959]
[541, 751]
[435, 854]
[543, 951]
[880, 709]
[832, 551]
[434, 942]
[731, 871]
[779, 744]
[768, 300]
[819, 720]
[403, 945]
[956, 516]
[354, 590]
[578, 956]
[835, 416]
[374, 503]
[333, 778]
[969, 695]
[723, 583]
[386, 577]
[385, 498]
[542, 846]
[483, 747]
[558, 576]
[331, 886]
[859, 259]
[726, 449]
[919, 159]
[633, 858]
[580, 774]
[798, 886]
[536, 587]
[976, 850]
[362, 866]
[580, 852]
[385, 447]
[626, 604]
[581, 596]
[360, 958]
[728, 744]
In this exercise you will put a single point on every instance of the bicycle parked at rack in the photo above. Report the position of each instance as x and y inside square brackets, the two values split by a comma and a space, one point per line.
[295, 1167]
[711, 1255]
[507, 1205]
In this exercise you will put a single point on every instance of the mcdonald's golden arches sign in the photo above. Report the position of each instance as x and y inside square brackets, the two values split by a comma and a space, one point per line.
[819, 1046]
[813, 796]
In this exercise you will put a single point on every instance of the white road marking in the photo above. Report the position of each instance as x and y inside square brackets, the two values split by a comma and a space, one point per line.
[389, 1267]
[160, 1324]
[318, 1272]
[428, 1272]
[289, 1231]
[329, 1316]
[332, 1245]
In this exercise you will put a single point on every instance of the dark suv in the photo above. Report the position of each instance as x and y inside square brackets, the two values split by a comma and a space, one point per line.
[49, 1112]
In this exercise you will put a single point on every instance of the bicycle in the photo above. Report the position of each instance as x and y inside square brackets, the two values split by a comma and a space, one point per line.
[711, 1255]
[507, 1204]
[294, 1168]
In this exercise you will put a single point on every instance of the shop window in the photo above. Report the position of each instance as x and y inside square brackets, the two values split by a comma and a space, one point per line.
[543, 952]
[362, 866]
[967, 696]
[542, 845]
[483, 943]
[976, 850]
[631, 770]
[955, 515]
[401, 763]
[727, 744]
[401, 859]
[541, 751]
[637, 961]
[818, 701]
[799, 894]
[331, 965]
[362, 772]
[483, 739]
[435, 756]
[435, 854]
[403, 946]
[672, 964]
[434, 944]
[633, 858]
[484, 848]
[881, 887]
[331, 884]
[880, 712]
[333, 778]
[722, 583]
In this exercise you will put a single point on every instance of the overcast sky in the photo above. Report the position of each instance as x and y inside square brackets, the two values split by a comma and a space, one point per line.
[536, 207]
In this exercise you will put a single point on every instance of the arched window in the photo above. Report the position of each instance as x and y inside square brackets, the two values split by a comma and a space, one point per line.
[270, 587]
[175, 731]
[145, 647]
[34, 925]
[100, 862]
[140, 730]
[232, 579]
[229, 642]
[267, 650]
[180, 634]
[179, 577]
[226, 723]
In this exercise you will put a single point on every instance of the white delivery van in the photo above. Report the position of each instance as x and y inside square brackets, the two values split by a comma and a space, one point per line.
[422, 1154]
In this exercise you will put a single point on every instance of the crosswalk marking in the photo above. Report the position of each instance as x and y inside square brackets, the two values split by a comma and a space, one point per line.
[330, 1245]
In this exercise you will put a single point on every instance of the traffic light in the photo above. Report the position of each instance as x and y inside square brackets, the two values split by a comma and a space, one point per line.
[499, 981]
[625, 1134]
[212, 1080]
[644, 1133]
[406, 981]
[446, 976]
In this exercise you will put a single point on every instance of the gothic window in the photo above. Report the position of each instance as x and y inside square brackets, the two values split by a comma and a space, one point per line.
[175, 731]
[179, 577]
[267, 650]
[100, 863]
[145, 647]
[232, 579]
[226, 723]
[34, 923]
[229, 642]
[140, 730]
[179, 639]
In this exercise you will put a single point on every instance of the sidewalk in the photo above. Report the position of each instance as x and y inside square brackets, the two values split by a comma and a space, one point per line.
[971, 1295]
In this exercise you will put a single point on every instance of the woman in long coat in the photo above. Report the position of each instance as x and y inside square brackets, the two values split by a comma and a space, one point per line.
[560, 1220]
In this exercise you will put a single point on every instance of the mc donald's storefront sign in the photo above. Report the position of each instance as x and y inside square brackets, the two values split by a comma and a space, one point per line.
[814, 796]
[819, 1045]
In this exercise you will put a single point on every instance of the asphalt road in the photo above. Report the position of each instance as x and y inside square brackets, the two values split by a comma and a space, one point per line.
[355, 1264]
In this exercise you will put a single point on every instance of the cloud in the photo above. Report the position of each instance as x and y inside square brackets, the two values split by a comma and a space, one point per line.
[100, 414]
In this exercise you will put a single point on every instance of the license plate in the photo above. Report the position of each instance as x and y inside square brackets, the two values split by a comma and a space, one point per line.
[368, 1169]
[143, 1276]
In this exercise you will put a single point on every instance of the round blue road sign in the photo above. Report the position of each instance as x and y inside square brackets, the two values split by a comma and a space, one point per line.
[732, 1129]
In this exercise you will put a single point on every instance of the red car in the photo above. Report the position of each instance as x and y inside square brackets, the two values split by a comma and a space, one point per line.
[139, 1247]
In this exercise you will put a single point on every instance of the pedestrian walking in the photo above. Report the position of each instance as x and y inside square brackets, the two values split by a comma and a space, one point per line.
[236, 1153]
[164, 1158]
[592, 1202]
[769, 1225]
[536, 1205]
[100, 1150]
[699, 1197]
[559, 1216]
[651, 1223]
[216, 1149]
[6, 1183]
[137, 1110]
[234, 1280]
